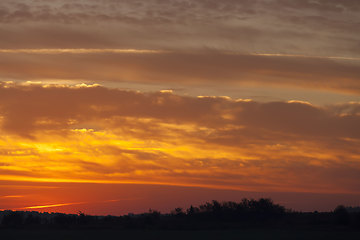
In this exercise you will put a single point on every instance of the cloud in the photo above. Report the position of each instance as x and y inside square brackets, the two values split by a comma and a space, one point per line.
[57, 107]
[321, 5]
[89, 133]
[78, 51]
[185, 69]
[293, 27]
[109, 135]
[52, 205]
[150, 12]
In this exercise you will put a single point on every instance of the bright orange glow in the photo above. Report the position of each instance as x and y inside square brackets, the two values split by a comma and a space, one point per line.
[51, 206]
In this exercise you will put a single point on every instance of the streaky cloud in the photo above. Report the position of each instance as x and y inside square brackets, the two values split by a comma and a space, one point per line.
[79, 51]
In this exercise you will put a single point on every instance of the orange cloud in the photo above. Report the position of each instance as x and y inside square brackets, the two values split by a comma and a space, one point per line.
[12, 196]
[101, 135]
[51, 205]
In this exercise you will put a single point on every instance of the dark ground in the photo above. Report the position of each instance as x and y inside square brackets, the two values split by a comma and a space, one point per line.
[12, 234]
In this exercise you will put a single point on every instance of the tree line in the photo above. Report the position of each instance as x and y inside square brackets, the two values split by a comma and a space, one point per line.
[211, 215]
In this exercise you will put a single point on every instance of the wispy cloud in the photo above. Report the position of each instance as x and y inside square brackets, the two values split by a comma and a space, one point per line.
[12, 196]
[150, 51]
[52, 205]
[80, 51]
[77, 203]
[305, 56]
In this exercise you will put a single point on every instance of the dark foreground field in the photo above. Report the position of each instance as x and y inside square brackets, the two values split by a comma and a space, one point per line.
[9, 234]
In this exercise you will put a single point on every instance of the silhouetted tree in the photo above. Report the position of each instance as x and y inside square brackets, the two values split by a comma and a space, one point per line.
[341, 215]
[13, 219]
[178, 212]
[32, 219]
[192, 210]
[210, 215]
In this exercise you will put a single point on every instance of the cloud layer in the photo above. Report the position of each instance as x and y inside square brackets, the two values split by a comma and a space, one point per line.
[181, 68]
[312, 45]
[111, 135]
[285, 26]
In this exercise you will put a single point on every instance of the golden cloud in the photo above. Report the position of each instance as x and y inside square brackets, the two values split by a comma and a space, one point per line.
[59, 133]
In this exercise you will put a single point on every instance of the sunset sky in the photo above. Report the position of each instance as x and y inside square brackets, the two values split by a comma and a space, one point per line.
[118, 106]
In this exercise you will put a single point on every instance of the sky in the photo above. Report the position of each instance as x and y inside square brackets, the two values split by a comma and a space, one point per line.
[117, 106]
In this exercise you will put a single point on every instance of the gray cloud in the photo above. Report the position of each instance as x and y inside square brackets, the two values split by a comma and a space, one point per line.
[311, 27]
[186, 69]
